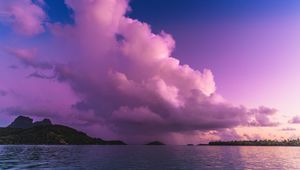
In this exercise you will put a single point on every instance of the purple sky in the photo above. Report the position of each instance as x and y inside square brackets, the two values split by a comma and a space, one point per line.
[201, 77]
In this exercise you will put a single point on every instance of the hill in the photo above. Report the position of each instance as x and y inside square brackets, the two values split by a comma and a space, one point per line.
[23, 131]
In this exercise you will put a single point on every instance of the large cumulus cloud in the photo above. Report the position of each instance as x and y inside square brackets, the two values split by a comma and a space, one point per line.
[125, 79]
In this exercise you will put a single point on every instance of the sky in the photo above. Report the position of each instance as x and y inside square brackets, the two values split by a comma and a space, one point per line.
[181, 71]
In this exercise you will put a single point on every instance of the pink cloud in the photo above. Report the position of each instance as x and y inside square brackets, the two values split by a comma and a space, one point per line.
[262, 115]
[295, 120]
[24, 16]
[133, 86]
[28, 57]
[25, 55]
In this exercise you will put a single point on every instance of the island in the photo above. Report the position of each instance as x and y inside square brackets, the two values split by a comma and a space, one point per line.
[24, 131]
[155, 143]
[295, 142]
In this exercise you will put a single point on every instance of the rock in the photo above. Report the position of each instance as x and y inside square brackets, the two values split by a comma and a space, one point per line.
[202, 144]
[26, 122]
[21, 122]
[155, 143]
[44, 122]
[115, 142]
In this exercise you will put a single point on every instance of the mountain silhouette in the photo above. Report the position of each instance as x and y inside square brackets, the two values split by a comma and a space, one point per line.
[24, 131]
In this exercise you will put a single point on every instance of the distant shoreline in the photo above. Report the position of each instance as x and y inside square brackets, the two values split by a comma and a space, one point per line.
[128, 145]
[295, 142]
[23, 131]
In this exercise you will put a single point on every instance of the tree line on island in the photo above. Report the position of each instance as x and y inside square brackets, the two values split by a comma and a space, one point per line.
[289, 142]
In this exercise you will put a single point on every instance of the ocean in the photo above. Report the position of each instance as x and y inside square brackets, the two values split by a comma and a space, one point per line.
[139, 157]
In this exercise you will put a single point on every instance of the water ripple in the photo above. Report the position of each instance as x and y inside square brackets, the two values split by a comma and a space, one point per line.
[148, 157]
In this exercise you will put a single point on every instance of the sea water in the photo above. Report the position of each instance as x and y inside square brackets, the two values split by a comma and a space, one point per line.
[139, 157]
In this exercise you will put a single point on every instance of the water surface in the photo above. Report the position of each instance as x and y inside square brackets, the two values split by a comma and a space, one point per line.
[148, 157]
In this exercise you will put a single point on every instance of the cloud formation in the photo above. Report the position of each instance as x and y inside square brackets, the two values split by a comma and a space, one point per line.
[262, 115]
[28, 57]
[295, 120]
[25, 17]
[124, 76]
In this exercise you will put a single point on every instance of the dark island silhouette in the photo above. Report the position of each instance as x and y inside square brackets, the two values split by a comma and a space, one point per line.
[24, 131]
[155, 143]
[295, 142]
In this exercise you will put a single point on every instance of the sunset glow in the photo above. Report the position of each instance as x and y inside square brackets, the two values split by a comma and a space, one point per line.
[141, 71]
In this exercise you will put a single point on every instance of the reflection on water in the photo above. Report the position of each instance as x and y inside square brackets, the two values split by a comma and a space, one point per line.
[148, 157]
